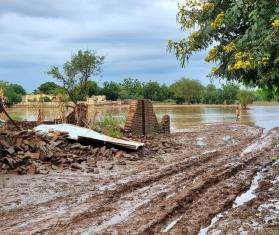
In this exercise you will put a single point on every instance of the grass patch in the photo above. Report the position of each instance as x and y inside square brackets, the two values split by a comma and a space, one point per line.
[109, 125]
[16, 117]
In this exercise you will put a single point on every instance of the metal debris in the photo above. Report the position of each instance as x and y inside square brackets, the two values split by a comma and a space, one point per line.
[76, 132]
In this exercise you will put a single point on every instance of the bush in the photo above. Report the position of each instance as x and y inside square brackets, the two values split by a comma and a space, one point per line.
[245, 97]
[108, 125]
[15, 117]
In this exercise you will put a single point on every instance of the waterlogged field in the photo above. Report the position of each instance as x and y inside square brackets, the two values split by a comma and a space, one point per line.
[181, 116]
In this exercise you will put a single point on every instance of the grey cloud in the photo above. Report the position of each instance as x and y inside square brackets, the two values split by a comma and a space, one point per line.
[131, 34]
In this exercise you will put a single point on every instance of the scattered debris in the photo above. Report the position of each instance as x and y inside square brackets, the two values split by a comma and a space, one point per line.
[27, 152]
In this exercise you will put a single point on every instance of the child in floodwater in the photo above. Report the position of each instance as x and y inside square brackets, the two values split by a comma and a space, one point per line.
[237, 113]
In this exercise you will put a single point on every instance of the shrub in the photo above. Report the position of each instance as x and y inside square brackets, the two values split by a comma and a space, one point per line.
[108, 125]
[245, 97]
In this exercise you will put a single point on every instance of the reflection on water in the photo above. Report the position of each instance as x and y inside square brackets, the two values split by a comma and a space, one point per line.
[181, 116]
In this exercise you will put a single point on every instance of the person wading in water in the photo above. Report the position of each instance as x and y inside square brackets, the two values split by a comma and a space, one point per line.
[237, 113]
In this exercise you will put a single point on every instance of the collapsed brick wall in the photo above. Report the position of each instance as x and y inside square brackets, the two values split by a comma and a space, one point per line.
[141, 119]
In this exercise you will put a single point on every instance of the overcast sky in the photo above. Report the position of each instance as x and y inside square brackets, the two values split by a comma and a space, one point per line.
[35, 34]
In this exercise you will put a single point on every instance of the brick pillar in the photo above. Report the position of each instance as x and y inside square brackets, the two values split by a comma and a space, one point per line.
[141, 119]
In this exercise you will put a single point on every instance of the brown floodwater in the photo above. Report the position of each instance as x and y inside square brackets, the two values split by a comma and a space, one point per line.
[181, 116]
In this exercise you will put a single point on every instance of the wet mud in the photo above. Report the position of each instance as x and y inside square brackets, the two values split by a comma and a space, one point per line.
[211, 181]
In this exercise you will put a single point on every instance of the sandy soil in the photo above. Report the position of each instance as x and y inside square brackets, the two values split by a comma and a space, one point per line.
[177, 192]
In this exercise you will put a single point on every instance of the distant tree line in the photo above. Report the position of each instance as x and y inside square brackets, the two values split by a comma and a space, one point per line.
[182, 91]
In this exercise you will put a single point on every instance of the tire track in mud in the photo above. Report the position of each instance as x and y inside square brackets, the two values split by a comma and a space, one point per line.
[102, 204]
[169, 208]
[90, 215]
[212, 201]
[108, 197]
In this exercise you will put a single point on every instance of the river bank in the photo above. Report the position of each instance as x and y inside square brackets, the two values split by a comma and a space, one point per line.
[177, 188]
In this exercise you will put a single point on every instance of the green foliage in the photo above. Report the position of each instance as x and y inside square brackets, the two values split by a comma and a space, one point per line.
[184, 90]
[211, 95]
[229, 93]
[187, 90]
[48, 88]
[12, 92]
[131, 89]
[46, 99]
[245, 97]
[266, 95]
[77, 72]
[156, 92]
[18, 89]
[111, 90]
[244, 34]
[93, 88]
[109, 126]
[16, 117]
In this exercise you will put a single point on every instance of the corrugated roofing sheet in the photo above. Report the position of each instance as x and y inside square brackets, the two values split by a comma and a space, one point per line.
[76, 132]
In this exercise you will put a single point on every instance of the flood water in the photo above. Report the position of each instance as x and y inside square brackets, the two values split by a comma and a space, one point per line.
[181, 116]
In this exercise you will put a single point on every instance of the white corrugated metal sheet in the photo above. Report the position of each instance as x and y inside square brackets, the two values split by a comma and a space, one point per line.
[75, 132]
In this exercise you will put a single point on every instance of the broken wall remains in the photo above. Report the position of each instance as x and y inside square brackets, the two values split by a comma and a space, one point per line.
[141, 119]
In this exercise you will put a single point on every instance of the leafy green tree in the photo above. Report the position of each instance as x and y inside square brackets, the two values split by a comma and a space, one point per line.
[131, 89]
[166, 93]
[152, 91]
[111, 90]
[211, 95]
[243, 35]
[266, 95]
[12, 96]
[187, 90]
[245, 97]
[229, 93]
[77, 72]
[93, 88]
[12, 92]
[48, 88]
[18, 89]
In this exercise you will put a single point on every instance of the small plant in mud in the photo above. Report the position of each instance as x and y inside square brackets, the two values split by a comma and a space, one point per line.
[109, 125]
[16, 117]
[275, 158]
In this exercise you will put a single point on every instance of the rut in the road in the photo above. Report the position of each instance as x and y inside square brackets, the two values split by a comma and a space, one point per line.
[161, 210]
[187, 170]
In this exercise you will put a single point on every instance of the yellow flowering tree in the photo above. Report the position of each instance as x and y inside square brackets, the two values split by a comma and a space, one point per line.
[245, 35]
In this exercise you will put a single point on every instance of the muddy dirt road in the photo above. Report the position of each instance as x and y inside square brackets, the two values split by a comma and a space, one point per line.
[177, 192]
